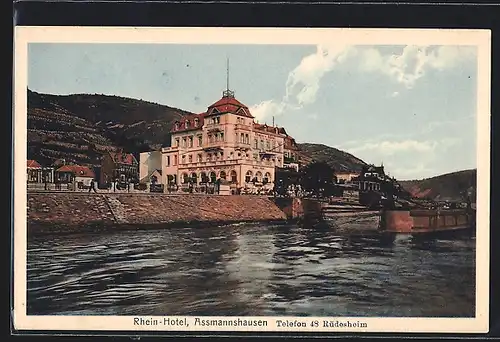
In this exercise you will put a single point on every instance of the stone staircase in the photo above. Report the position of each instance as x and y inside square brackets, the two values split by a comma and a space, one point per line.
[117, 208]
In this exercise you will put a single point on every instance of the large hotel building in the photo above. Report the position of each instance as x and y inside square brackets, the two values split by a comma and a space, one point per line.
[223, 144]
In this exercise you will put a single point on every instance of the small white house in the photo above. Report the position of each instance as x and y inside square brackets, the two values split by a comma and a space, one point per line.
[150, 166]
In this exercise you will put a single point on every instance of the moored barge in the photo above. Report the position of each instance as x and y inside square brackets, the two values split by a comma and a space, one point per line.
[427, 221]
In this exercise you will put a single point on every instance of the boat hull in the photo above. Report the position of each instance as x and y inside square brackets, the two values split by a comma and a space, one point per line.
[427, 222]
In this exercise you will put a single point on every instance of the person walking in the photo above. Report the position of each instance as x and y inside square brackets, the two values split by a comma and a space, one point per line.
[92, 186]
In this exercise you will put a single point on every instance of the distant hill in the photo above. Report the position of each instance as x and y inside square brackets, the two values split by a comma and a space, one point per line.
[339, 160]
[80, 127]
[451, 186]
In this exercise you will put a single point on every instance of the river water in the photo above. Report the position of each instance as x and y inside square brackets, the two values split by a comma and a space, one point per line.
[250, 269]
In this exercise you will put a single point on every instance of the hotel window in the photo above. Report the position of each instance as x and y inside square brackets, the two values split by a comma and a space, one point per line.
[190, 158]
[187, 124]
[200, 140]
[210, 138]
[222, 136]
[190, 141]
[168, 160]
[209, 157]
[242, 137]
[183, 142]
[198, 158]
[234, 176]
[248, 177]
[177, 142]
[217, 120]
[196, 122]
[256, 143]
[268, 145]
[183, 159]
[247, 139]
[175, 160]
[262, 144]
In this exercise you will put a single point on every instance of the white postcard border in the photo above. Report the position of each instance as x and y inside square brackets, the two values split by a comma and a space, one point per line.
[307, 36]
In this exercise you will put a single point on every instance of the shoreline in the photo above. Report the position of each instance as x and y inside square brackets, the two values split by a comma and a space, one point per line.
[36, 229]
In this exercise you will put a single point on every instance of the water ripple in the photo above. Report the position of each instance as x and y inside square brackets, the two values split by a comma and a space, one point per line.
[249, 269]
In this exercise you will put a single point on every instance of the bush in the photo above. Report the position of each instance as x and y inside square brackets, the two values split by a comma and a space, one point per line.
[140, 186]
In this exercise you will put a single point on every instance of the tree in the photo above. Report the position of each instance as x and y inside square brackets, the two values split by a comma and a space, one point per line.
[283, 179]
[318, 178]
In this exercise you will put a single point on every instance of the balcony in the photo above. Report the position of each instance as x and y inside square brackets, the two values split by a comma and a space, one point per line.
[229, 162]
[214, 127]
[242, 146]
[268, 153]
[240, 127]
[214, 146]
[169, 149]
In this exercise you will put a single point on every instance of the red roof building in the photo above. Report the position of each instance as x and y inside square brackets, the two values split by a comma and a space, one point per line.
[118, 166]
[33, 164]
[77, 171]
[189, 122]
[123, 158]
[228, 104]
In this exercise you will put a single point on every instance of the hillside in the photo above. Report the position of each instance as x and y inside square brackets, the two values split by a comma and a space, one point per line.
[339, 160]
[80, 127]
[450, 186]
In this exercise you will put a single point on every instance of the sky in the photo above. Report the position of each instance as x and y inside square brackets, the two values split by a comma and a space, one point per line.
[412, 108]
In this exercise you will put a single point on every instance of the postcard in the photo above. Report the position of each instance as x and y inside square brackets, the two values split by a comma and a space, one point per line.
[251, 180]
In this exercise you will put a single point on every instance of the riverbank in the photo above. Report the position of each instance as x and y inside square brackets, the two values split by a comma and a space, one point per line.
[85, 212]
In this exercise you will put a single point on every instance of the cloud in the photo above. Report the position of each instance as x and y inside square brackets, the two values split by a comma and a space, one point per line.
[404, 158]
[459, 121]
[413, 172]
[392, 147]
[267, 109]
[413, 62]
[303, 82]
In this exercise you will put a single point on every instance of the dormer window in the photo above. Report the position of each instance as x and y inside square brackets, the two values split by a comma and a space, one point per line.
[196, 122]
[176, 126]
[187, 124]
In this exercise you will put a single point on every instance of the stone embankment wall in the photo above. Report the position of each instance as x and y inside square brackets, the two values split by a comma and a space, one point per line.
[300, 208]
[68, 212]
